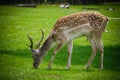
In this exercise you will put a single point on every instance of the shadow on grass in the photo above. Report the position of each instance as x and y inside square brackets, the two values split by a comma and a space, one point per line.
[19, 53]
[80, 56]
[68, 70]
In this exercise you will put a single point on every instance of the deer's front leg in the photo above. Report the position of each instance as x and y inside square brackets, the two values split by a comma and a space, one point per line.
[59, 46]
[70, 47]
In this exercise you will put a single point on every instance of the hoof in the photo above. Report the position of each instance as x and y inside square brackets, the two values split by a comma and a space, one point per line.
[101, 68]
[49, 67]
[87, 67]
[68, 68]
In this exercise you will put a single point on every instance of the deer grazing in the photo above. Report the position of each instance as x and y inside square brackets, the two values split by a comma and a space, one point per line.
[66, 29]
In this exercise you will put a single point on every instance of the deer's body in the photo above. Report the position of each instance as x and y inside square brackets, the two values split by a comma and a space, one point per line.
[67, 28]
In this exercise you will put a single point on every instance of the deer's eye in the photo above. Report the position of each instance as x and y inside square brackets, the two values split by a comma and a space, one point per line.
[33, 50]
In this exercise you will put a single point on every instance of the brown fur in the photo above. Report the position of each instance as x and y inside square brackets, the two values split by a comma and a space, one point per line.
[94, 18]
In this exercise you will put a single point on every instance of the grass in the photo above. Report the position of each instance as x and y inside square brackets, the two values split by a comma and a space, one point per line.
[15, 58]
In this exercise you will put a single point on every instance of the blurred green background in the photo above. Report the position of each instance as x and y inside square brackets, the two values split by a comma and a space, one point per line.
[16, 59]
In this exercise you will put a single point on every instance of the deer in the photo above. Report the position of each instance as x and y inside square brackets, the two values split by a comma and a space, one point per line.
[65, 30]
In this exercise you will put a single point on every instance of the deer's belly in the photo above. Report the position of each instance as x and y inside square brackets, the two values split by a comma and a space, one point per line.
[67, 33]
[79, 31]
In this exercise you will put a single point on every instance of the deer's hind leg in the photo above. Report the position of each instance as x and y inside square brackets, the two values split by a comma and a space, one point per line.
[94, 50]
[100, 47]
[96, 44]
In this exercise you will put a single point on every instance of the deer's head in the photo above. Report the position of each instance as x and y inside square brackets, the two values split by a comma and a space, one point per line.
[36, 52]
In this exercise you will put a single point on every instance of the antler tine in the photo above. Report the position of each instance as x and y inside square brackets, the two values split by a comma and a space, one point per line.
[31, 45]
[40, 39]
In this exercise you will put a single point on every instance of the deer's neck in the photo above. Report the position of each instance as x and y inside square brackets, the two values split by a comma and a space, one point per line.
[48, 44]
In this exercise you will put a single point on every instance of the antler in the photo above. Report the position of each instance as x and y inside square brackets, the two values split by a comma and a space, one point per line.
[40, 39]
[31, 45]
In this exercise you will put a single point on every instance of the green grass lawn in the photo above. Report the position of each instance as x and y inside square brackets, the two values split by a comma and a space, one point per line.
[15, 57]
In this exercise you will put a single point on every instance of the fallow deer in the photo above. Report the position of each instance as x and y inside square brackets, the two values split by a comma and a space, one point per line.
[66, 29]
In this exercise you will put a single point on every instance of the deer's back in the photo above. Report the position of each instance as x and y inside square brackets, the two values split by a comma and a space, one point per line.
[79, 24]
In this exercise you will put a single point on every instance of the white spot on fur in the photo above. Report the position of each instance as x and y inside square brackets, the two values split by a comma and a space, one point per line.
[36, 51]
